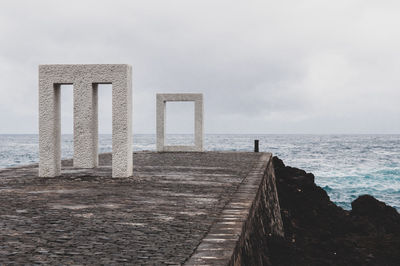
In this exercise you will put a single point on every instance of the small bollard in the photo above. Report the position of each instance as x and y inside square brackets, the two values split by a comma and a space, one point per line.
[256, 148]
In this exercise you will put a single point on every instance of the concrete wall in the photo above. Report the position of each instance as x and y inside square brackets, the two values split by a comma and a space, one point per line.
[263, 222]
[240, 235]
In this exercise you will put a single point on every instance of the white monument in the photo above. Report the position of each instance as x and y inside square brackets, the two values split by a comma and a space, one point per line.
[162, 99]
[85, 79]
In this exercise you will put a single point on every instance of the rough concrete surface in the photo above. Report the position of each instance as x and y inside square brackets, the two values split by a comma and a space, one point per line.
[165, 214]
[85, 79]
[162, 99]
[240, 235]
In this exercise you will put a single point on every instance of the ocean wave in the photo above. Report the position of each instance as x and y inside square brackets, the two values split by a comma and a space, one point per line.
[346, 166]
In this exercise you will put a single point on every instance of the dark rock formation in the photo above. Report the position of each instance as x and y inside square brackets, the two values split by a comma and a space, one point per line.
[317, 232]
[384, 219]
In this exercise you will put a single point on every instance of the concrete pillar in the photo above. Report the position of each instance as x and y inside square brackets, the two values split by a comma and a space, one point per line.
[49, 128]
[160, 119]
[198, 123]
[85, 125]
[122, 126]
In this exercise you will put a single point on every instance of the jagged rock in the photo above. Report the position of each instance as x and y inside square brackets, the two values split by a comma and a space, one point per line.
[383, 217]
[317, 232]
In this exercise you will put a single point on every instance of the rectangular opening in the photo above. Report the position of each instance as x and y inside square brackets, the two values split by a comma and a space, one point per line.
[179, 123]
[104, 92]
[67, 120]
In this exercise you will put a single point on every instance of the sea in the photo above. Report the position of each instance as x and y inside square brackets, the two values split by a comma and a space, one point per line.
[345, 166]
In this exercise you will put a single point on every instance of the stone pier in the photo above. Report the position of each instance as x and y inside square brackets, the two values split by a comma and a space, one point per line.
[178, 208]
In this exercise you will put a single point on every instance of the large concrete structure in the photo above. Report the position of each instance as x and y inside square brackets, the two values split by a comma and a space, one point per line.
[162, 99]
[85, 79]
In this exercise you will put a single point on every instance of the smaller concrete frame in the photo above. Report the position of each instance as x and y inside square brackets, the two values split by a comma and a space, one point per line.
[85, 79]
[162, 99]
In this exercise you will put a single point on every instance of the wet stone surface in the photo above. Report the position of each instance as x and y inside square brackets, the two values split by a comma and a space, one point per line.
[158, 216]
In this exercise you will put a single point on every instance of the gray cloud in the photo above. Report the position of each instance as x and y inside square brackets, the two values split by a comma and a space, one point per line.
[263, 66]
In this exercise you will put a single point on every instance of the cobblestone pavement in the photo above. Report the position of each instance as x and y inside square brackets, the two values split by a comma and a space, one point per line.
[158, 216]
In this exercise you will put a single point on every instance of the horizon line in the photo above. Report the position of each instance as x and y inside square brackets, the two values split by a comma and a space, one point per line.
[227, 133]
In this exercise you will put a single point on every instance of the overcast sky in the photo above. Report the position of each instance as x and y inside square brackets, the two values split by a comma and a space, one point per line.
[283, 66]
